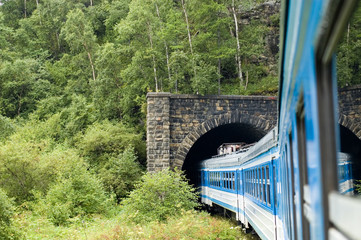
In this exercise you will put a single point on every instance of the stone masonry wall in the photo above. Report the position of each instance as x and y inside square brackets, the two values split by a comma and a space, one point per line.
[350, 109]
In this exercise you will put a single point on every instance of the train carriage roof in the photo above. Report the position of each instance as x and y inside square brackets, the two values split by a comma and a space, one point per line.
[236, 158]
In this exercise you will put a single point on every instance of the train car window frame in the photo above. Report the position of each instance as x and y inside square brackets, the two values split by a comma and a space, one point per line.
[263, 184]
[336, 221]
[268, 187]
[302, 164]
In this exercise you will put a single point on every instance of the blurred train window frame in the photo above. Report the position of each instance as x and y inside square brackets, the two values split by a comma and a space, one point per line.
[341, 215]
[302, 165]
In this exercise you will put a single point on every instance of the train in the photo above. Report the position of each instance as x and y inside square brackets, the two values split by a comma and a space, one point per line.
[295, 183]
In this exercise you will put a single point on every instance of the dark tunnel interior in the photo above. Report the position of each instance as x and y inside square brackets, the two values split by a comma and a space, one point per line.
[351, 144]
[206, 146]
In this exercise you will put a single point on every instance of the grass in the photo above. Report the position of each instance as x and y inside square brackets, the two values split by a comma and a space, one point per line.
[189, 225]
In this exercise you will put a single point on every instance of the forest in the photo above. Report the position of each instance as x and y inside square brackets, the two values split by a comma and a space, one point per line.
[74, 75]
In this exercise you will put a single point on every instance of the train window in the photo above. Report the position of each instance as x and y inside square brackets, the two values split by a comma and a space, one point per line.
[274, 186]
[268, 186]
[263, 185]
[248, 183]
[218, 179]
[233, 182]
[254, 182]
[259, 183]
[229, 181]
[226, 178]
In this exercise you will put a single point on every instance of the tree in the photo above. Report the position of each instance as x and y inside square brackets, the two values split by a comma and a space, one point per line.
[120, 174]
[76, 192]
[7, 231]
[158, 196]
[348, 52]
[104, 140]
[19, 92]
[79, 35]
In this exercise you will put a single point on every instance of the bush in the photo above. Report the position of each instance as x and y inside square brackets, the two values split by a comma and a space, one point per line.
[104, 140]
[6, 214]
[120, 174]
[6, 127]
[76, 193]
[158, 196]
[30, 163]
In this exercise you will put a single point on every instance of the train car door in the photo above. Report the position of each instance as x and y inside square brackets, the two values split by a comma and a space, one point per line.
[240, 194]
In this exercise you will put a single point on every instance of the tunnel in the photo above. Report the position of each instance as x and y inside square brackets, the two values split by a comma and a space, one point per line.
[206, 146]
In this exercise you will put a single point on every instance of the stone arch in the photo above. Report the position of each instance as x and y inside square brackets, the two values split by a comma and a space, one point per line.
[197, 132]
[352, 125]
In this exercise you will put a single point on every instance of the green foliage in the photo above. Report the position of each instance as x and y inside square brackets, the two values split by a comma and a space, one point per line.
[29, 162]
[119, 174]
[105, 139]
[6, 127]
[19, 92]
[6, 214]
[348, 53]
[76, 192]
[159, 196]
[358, 186]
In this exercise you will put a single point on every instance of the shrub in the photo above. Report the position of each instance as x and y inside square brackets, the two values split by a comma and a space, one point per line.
[6, 214]
[6, 127]
[358, 186]
[104, 140]
[160, 195]
[31, 163]
[120, 174]
[77, 192]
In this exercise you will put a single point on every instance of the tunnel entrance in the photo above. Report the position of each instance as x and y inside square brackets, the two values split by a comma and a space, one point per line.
[206, 146]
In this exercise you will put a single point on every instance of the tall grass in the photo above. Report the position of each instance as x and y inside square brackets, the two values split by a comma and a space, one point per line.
[189, 225]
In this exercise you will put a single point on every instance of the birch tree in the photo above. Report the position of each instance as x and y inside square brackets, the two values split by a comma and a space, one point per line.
[79, 35]
[238, 54]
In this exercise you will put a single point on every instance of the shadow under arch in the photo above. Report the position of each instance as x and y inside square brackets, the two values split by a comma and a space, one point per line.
[350, 124]
[202, 142]
[350, 142]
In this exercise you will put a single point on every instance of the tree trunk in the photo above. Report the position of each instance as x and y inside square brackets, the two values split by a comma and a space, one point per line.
[188, 29]
[153, 57]
[165, 46]
[189, 35]
[25, 8]
[90, 61]
[238, 57]
[245, 86]
[57, 39]
[91, 2]
[219, 62]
